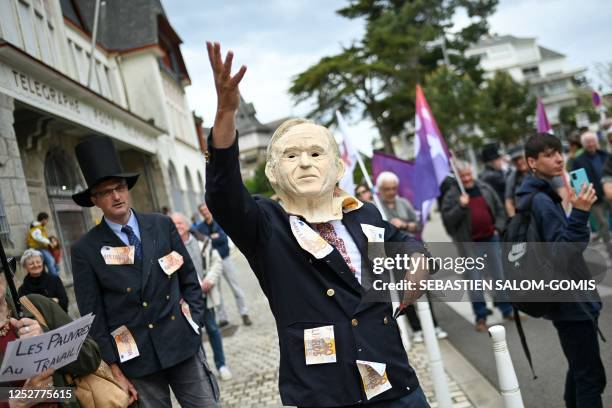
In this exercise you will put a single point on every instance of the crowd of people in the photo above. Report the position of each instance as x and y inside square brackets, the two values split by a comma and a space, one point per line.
[153, 281]
[531, 177]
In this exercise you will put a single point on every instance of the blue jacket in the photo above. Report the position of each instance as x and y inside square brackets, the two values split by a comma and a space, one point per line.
[141, 297]
[220, 243]
[554, 226]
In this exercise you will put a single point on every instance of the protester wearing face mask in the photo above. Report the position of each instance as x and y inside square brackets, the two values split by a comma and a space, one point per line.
[309, 253]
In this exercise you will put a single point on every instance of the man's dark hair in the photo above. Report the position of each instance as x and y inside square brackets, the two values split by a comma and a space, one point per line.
[540, 143]
[364, 185]
[42, 216]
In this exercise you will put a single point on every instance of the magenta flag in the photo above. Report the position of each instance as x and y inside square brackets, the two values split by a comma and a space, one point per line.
[596, 99]
[543, 125]
[429, 145]
[419, 179]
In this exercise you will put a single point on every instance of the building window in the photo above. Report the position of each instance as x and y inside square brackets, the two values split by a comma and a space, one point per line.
[80, 63]
[8, 23]
[191, 194]
[175, 188]
[5, 230]
[52, 49]
[61, 174]
[557, 87]
[27, 29]
[201, 185]
[531, 72]
[39, 23]
[102, 79]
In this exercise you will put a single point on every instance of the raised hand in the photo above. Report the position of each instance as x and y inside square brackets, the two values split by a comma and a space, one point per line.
[585, 200]
[228, 96]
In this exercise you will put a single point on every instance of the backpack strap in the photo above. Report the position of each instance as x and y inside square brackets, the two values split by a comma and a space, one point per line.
[521, 333]
[530, 197]
[525, 212]
[27, 303]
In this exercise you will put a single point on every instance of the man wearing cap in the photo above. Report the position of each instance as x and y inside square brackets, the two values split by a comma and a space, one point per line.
[515, 178]
[493, 173]
[134, 274]
[309, 253]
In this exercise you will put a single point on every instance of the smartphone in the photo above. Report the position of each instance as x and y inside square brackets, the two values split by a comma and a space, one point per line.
[578, 178]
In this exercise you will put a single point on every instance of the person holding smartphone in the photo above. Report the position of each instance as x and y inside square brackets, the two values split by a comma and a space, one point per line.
[576, 323]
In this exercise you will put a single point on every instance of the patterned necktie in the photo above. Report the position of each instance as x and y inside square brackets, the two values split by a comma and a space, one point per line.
[327, 232]
[134, 241]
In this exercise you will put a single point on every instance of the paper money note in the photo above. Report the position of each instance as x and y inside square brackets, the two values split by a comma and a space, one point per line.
[308, 239]
[118, 255]
[320, 345]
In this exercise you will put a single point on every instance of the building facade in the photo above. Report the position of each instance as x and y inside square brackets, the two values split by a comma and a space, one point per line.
[53, 94]
[545, 70]
[254, 137]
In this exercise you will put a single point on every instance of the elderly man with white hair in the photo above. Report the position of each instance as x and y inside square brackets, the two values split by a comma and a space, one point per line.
[592, 160]
[398, 210]
[477, 216]
[309, 254]
[208, 265]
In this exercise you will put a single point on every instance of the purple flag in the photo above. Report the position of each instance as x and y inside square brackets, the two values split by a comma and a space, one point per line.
[429, 145]
[596, 99]
[543, 125]
[419, 179]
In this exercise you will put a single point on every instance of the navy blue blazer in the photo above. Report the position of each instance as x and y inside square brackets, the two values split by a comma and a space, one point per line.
[143, 298]
[585, 160]
[305, 292]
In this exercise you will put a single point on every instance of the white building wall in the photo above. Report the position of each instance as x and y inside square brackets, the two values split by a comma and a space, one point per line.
[144, 87]
[182, 126]
[552, 66]
[526, 54]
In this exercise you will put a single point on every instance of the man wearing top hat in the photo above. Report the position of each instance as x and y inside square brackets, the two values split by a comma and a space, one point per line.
[134, 274]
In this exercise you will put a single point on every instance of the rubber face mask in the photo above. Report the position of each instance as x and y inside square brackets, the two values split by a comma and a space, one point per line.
[304, 172]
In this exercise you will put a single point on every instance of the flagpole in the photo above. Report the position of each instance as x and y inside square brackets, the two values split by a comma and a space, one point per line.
[451, 160]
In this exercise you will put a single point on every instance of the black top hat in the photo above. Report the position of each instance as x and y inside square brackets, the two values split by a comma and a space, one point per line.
[98, 160]
[490, 152]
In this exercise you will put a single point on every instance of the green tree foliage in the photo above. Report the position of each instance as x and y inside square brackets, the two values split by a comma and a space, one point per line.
[376, 76]
[584, 104]
[453, 97]
[505, 109]
[259, 184]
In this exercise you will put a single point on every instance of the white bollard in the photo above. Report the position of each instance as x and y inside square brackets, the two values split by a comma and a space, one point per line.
[508, 383]
[436, 365]
[402, 323]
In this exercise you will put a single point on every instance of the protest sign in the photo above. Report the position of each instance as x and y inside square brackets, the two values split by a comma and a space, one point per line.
[27, 357]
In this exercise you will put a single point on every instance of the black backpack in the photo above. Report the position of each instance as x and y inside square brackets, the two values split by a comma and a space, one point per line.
[524, 260]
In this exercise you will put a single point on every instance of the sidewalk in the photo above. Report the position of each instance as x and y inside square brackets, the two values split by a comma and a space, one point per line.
[252, 355]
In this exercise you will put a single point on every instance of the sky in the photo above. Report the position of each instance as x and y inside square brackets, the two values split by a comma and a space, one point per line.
[278, 39]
